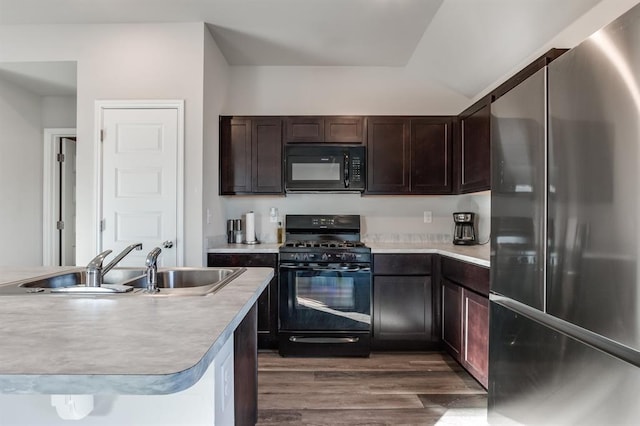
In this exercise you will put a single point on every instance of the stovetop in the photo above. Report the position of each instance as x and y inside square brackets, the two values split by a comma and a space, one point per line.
[324, 244]
[324, 238]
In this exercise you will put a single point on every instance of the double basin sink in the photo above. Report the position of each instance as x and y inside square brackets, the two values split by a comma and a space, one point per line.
[171, 282]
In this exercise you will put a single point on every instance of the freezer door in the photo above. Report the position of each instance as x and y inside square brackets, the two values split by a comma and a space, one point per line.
[594, 171]
[518, 200]
[540, 376]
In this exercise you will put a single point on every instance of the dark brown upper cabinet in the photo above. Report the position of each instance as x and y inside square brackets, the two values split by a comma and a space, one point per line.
[409, 155]
[431, 156]
[332, 129]
[343, 129]
[250, 155]
[472, 157]
[388, 157]
[305, 129]
[474, 138]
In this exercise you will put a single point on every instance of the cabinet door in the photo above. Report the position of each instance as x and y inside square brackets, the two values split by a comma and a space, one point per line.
[266, 162]
[475, 144]
[476, 336]
[388, 155]
[235, 155]
[306, 129]
[452, 318]
[343, 129]
[402, 308]
[431, 156]
[268, 300]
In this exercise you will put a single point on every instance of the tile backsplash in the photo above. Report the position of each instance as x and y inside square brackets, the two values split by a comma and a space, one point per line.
[384, 218]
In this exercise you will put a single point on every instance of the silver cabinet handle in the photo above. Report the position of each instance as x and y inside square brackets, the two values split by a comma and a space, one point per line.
[167, 244]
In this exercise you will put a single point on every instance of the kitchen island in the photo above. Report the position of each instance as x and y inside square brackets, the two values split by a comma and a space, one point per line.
[147, 359]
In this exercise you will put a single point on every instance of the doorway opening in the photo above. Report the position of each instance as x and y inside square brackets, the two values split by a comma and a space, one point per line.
[59, 200]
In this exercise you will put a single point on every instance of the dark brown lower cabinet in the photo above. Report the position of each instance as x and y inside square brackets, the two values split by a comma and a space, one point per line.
[465, 315]
[475, 354]
[403, 308]
[452, 318]
[245, 370]
[268, 301]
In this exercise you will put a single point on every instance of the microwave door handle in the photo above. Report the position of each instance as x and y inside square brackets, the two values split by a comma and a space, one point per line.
[346, 171]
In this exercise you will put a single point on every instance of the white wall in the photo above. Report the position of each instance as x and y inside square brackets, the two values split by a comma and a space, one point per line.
[338, 91]
[216, 80]
[59, 112]
[384, 218]
[128, 61]
[20, 176]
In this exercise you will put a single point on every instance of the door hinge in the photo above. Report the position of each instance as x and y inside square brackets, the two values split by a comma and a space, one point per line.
[103, 225]
[60, 225]
[101, 135]
[60, 157]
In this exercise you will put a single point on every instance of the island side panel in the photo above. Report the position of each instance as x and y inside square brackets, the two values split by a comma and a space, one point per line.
[246, 369]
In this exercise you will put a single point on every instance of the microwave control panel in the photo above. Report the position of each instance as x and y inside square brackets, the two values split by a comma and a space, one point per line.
[356, 169]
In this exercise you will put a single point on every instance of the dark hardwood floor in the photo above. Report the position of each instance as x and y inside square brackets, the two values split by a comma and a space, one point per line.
[386, 389]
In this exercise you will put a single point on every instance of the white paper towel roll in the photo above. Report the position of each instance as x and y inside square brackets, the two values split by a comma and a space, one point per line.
[250, 227]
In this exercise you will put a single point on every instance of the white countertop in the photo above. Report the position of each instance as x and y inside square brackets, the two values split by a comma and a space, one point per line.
[245, 248]
[116, 344]
[478, 254]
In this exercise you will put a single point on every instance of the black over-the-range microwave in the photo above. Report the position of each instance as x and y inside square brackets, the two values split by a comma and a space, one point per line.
[325, 168]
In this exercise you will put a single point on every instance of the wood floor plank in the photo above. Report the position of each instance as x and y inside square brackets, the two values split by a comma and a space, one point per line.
[386, 389]
[376, 382]
[389, 361]
[334, 401]
[381, 417]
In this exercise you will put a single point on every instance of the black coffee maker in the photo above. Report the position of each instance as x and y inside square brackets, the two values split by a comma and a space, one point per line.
[465, 231]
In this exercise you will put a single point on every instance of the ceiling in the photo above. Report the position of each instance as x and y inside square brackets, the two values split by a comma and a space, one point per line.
[464, 44]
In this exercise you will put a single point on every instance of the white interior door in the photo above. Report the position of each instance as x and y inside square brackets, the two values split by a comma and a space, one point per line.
[140, 175]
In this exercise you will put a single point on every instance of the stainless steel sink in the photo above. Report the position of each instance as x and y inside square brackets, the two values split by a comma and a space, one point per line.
[115, 276]
[190, 281]
[171, 282]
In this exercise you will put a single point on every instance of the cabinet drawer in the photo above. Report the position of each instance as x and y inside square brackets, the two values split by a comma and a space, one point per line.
[473, 277]
[402, 264]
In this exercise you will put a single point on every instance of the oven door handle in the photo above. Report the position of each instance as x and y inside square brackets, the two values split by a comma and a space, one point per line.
[356, 269]
[320, 269]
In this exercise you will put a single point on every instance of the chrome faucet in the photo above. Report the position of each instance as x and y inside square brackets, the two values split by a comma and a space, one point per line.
[152, 270]
[95, 270]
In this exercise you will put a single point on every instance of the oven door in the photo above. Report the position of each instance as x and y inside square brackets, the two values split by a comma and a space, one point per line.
[325, 297]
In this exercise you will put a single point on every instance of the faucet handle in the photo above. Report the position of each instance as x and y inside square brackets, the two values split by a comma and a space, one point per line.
[96, 262]
[94, 270]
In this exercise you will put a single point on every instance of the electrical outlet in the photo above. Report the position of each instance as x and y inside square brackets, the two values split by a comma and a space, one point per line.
[428, 217]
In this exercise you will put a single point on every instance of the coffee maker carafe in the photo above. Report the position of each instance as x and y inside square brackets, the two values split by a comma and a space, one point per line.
[465, 229]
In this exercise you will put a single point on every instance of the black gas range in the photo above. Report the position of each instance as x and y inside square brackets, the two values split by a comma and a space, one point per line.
[325, 287]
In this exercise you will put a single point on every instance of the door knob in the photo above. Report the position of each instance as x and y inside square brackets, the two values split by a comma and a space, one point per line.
[167, 244]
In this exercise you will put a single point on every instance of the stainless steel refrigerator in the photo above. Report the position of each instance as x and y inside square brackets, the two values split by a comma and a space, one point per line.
[565, 270]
